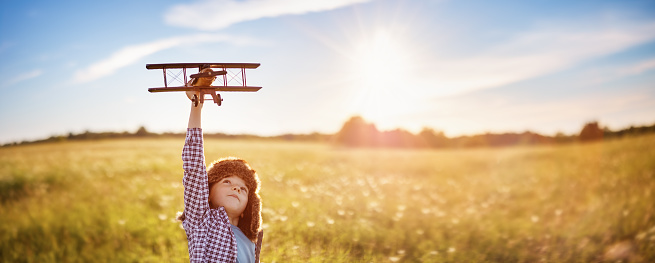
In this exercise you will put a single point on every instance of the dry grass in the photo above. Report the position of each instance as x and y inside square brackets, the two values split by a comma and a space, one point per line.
[114, 201]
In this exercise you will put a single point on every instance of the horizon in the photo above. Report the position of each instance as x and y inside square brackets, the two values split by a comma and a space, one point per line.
[182, 132]
[462, 68]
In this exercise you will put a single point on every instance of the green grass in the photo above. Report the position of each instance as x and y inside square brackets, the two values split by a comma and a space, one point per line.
[115, 200]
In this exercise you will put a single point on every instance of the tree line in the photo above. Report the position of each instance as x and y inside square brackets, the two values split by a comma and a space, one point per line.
[142, 132]
[356, 132]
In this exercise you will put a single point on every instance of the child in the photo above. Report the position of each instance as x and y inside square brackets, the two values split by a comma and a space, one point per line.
[222, 207]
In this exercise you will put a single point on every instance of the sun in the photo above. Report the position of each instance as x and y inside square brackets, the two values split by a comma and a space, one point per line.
[383, 72]
[377, 59]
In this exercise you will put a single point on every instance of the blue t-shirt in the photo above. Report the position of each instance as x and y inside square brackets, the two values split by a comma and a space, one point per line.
[245, 247]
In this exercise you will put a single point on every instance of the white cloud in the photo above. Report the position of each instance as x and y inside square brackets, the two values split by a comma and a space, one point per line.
[470, 115]
[638, 68]
[534, 54]
[131, 54]
[23, 77]
[212, 15]
[599, 75]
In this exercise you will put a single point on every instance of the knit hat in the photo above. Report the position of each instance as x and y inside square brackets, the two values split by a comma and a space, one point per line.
[251, 221]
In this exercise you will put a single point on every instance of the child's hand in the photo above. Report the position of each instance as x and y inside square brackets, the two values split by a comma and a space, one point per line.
[194, 117]
[190, 93]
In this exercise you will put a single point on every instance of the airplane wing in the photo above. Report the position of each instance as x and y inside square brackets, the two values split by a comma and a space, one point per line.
[198, 65]
[216, 88]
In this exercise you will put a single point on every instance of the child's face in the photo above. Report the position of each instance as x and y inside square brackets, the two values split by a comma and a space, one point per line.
[231, 193]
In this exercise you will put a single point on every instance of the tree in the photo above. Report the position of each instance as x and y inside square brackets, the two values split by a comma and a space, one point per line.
[356, 132]
[398, 138]
[433, 138]
[591, 132]
[142, 131]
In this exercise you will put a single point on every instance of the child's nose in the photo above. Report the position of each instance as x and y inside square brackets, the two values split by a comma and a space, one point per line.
[236, 189]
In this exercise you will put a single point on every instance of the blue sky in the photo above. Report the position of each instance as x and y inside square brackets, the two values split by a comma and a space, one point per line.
[462, 67]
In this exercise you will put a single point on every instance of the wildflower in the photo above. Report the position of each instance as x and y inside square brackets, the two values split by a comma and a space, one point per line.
[620, 251]
[398, 216]
[373, 204]
[295, 204]
[162, 217]
[330, 221]
[451, 250]
[470, 210]
[310, 224]
[268, 211]
[394, 259]
[534, 219]
[360, 182]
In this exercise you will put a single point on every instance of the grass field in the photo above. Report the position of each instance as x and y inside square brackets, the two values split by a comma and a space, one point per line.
[115, 200]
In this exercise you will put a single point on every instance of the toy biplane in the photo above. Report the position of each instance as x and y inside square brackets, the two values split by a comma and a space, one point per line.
[233, 76]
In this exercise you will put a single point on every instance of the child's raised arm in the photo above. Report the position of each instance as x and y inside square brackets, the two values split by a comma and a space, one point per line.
[196, 192]
[195, 173]
[209, 234]
[195, 116]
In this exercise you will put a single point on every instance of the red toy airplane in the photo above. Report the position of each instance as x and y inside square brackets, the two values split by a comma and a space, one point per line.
[202, 81]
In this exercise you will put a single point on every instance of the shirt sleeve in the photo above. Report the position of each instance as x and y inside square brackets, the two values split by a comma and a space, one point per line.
[208, 230]
[196, 191]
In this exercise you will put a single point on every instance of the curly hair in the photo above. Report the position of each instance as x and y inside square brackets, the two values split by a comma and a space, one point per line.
[251, 220]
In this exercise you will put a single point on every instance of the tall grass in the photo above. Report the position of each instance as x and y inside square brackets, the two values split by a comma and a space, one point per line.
[115, 201]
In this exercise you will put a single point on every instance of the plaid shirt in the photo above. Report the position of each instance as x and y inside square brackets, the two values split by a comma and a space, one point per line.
[208, 230]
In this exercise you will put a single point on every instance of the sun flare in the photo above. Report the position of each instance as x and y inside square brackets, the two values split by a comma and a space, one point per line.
[383, 70]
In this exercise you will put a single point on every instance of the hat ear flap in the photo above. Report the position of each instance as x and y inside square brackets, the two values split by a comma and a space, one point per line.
[250, 221]
[256, 222]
